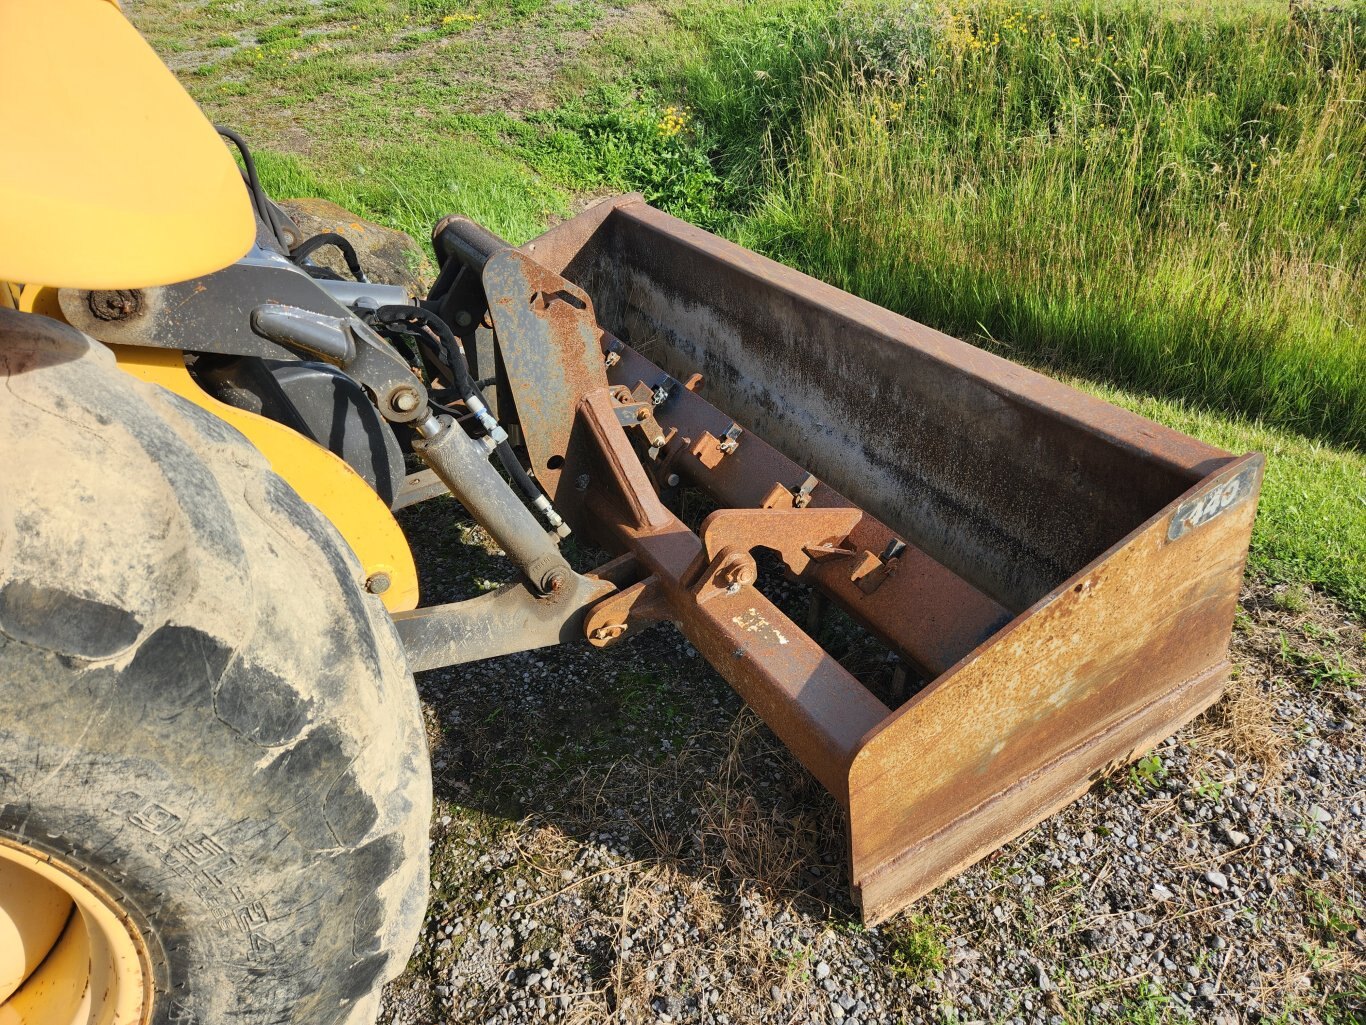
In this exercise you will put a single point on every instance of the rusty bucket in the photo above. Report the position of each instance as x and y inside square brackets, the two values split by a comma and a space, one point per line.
[1062, 573]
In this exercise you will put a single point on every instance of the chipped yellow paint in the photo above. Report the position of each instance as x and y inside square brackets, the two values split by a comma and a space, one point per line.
[754, 622]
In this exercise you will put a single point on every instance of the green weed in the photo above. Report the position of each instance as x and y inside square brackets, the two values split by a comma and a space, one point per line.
[1335, 920]
[1320, 671]
[917, 945]
[1210, 789]
[1150, 1006]
[1148, 772]
[1291, 599]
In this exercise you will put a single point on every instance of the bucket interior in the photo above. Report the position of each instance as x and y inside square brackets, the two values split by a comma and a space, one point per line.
[1010, 479]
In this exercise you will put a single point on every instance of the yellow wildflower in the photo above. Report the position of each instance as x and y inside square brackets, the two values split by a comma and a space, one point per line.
[675, 119]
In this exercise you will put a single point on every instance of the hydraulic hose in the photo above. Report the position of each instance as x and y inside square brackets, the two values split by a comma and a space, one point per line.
[259, 198]
[409, 317]
[308, 247]
[412, 319]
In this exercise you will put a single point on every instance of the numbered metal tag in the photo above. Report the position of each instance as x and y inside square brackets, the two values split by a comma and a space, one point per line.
[1197, 511]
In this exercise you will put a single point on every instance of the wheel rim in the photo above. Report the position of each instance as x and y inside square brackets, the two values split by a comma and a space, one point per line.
[68, 954]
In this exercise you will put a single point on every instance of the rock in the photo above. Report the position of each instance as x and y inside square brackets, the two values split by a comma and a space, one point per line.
[1319, 815]
[1236, 838]
[1160, 892]
[822, 970]
[1217, 879]
[386, 256]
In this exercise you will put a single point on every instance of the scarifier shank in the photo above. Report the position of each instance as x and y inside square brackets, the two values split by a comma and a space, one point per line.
[1063, 573]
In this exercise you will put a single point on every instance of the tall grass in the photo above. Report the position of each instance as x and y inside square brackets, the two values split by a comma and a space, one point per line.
[1166, 197]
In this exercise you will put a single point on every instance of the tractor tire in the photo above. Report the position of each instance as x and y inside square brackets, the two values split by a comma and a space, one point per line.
[202, 713]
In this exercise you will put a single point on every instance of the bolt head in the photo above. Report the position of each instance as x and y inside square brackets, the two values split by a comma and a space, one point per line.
[672, 480]
[737, 576]
[377, 583]
[118, 304]
[405, 400]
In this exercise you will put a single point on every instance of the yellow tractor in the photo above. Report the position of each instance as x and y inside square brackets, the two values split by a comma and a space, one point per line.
[214, 781]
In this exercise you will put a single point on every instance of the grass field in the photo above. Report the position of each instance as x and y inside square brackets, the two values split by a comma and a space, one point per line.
[1161, 202]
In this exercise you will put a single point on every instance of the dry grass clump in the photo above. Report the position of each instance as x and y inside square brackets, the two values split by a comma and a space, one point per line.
[1245, 725]
[1293, 635]
[756, 841]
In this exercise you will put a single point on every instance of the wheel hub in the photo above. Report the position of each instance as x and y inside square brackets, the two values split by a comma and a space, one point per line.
[68, 954]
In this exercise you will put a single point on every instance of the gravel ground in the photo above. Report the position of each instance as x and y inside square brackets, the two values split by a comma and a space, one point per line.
[619, 839]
